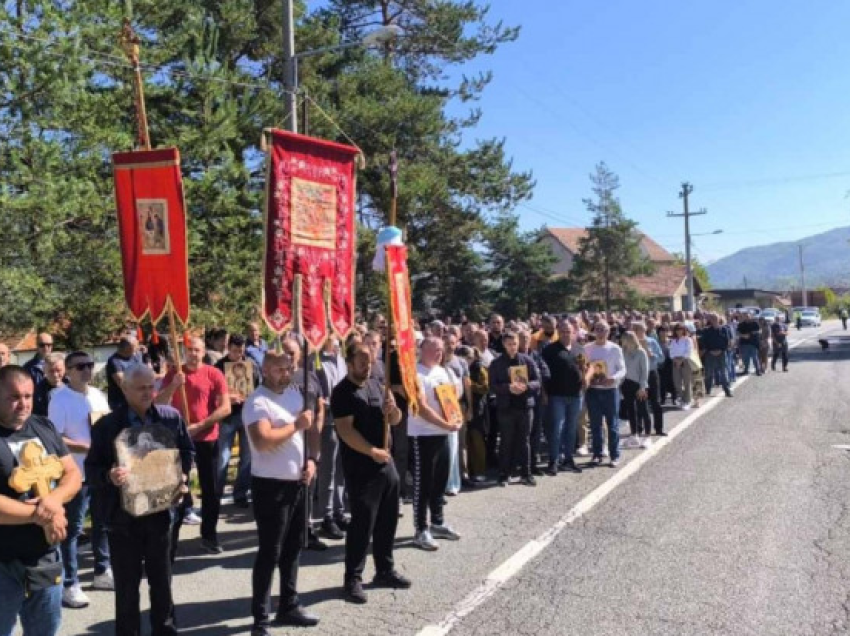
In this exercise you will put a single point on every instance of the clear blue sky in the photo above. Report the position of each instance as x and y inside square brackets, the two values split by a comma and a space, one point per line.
[746, 99]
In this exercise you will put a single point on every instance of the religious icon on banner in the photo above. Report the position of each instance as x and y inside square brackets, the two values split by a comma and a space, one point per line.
[519, 375]
[156, 475]
[313, 214]
[447, 396]
[153, 226]
[240, 378]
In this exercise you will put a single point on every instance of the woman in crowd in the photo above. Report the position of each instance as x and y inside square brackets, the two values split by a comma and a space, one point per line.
[681, 348]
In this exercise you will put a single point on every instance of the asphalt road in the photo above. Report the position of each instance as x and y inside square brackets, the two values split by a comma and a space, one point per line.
[737, 526]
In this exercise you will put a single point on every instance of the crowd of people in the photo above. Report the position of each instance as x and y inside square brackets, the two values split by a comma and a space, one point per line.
[330, 445]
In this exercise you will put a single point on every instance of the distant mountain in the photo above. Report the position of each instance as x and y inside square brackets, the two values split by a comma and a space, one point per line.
[777, 266]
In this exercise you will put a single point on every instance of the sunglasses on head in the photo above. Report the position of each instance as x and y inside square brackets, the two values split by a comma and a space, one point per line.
[83, 365]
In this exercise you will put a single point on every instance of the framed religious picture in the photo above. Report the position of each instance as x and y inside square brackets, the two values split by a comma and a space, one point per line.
[156, 475]
[519, 374]
[447, 396]
[240, 378]
[152, 217]
[598, 371]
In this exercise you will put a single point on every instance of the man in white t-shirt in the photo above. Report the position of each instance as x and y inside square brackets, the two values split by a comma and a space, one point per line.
[72, 410]
[277, 424]
[602, 392]
[428, 431]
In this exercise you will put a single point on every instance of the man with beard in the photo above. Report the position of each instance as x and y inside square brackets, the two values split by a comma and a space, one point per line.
[359, 405]
[277, 417]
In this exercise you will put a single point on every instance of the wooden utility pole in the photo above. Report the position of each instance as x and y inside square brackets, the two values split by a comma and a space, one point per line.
[687, 188]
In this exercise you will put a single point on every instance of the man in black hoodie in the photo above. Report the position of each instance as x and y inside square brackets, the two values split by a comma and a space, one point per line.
[514, 380]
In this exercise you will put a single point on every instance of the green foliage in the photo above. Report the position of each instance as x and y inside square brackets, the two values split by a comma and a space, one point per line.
[213, 82]
[523, 264]
[610, 253]
[701, 274]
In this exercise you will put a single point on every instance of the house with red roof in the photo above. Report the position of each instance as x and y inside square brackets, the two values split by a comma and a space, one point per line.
[666, 286]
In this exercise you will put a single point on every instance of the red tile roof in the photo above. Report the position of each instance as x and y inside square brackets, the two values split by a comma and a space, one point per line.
[569, 237]
[663, 283]
[20, 341]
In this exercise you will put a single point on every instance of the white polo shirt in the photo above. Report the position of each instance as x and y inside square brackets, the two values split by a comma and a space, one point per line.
[70, 412]
[285, 462]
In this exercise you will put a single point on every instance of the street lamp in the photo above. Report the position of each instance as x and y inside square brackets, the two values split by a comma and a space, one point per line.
[385, 34]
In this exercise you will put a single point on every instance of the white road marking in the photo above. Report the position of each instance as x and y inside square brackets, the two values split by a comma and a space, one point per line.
[511, 567]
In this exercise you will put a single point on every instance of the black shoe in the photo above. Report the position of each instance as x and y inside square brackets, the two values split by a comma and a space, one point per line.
[661, 433]
[353, 592]
[529, 481]
[342, 522]
[537, 472]
[785, 370]
[241, 503]
[259, 630]
[296, 617]
[391, 579]
[728, 393]
[331, 529]
[314, 543]
[212, 546]
[569, 467]
[551, 470]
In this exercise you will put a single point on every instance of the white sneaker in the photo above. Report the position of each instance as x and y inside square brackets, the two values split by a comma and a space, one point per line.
[444, 532]
[74, 597]
[425, 541]
[104, 581]
[191, 518]
[686, 406]
[604, 452]
[582, 451]
[646, 442]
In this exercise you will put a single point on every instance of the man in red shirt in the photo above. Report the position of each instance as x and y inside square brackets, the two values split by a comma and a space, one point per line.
[208, 404]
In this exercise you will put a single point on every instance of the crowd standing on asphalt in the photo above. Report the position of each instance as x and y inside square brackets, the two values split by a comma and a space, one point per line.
[537, 395]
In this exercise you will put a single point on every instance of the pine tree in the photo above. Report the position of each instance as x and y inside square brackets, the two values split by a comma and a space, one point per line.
[610, 253]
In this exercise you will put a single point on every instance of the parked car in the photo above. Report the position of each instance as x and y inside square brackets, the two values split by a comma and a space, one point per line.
[810, 318]
[770, 315]
[753, 311]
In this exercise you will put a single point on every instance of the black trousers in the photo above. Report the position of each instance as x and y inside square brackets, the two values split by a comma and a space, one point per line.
[206, 461]
[400, 451]
[780, 350]
[654, 392]
[430, 476]
[142, 547]
[514, 447]
[279, 513]
[536, 430]
[635, 410]
[668, 387]
[373, 498]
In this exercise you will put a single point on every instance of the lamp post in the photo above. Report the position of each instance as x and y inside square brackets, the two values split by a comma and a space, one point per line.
[290, 77]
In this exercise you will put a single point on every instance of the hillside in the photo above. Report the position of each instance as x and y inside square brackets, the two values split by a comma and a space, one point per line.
[777, 266]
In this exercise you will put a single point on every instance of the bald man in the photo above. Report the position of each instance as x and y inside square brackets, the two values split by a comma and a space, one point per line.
[5, 355]
[208, 404]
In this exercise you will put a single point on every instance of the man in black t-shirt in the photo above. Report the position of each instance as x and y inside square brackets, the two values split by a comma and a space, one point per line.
[359, 406]
[779, 331]
[748, 342]
[30, 527]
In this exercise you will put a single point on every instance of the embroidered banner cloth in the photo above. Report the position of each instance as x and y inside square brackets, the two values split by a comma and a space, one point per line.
[152, 224]
[310, 237]
[402, 319]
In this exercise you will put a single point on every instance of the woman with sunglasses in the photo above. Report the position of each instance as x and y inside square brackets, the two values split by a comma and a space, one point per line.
[681, 349]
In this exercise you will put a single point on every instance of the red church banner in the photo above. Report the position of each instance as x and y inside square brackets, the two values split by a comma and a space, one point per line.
[402, 320]
[152, 223]
[310, 238]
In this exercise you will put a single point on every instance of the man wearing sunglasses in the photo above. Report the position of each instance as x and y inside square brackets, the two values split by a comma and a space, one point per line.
[73, 410]
[35, 366]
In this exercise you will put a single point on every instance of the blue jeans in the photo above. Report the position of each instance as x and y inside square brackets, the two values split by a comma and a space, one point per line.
[603, 404]
[750, 352]
[227, 431]
[40, 611]
[731, 374]
[563, 426]
[75, 511]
